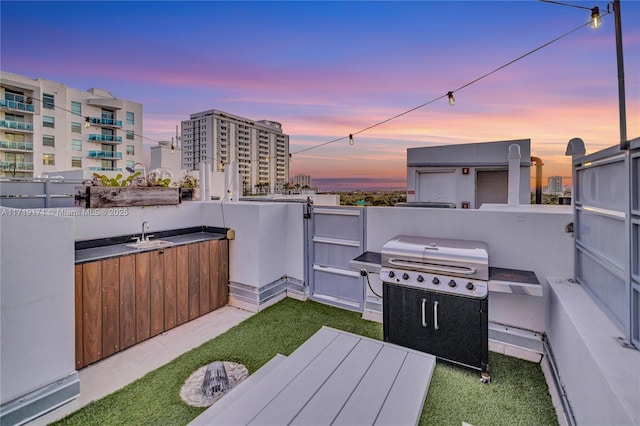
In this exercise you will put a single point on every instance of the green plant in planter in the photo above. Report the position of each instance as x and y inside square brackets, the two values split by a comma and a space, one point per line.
[119, 180]
[153, 179]
[188, 181]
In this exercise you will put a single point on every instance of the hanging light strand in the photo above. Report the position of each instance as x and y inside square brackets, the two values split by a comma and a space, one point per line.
[449, 94]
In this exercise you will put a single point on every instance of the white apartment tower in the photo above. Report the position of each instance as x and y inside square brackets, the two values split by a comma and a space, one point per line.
[302, 181]
[219, 138]
[47, 127]
[554, 185]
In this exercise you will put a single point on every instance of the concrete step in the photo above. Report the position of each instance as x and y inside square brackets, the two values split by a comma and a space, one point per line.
[208, 416]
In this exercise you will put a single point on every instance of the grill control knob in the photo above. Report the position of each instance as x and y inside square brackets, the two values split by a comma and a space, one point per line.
[420, 278]
[405, 276]
[470, 286]
[392, 274]
[435, 281]
[452, 283]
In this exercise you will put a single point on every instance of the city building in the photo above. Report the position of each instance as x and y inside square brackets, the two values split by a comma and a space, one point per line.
[260, 148]
[554, 185]
[47, 127]
[302, 181]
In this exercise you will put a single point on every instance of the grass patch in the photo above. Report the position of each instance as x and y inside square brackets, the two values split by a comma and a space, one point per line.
[518, 394]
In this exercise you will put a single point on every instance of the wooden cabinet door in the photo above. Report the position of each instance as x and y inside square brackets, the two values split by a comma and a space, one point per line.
[156, 292]
[194, 281]
[143, 296]
[182, 284]
[205, 277]
[170, 288]
[110, 306]
[218, 271]
[91, 312]
[127, 301]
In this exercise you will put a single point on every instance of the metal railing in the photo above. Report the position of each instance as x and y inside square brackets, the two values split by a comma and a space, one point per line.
[104, 154]
[17, 165]
[16, 125]
[105, 122]
[16, 106]
[32, 193]
[24, 146]
[105, 138]
[106, 169]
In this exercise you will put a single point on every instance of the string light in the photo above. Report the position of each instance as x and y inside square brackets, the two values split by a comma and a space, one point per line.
[449, 95]
[595, 17]
[594, 22]
[452, 100]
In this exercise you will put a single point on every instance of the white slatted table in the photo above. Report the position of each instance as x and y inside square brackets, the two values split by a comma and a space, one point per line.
[334, 378]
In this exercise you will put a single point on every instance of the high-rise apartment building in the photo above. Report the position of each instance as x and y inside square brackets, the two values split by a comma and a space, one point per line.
[302, 181]
[554, 185]
[47, 127]
[260, 148]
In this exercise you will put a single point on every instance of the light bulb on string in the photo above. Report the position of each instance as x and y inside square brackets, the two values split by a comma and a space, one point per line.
[351, 142]
[452, 100]
[595, 17]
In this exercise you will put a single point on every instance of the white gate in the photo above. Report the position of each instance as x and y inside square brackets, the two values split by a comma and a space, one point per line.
[337, 236]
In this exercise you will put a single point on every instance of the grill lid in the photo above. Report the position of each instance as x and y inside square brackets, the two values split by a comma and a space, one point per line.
[438, 255]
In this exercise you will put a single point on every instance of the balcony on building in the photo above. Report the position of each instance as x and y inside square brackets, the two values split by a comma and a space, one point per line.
[104, 154]
[105, 122]
[16, 165]
[105, 169]
[14, 105]
[105, 138]
[16, 126]
[16, 146]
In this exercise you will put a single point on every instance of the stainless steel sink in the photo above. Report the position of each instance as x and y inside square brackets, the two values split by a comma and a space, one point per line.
[149, 244]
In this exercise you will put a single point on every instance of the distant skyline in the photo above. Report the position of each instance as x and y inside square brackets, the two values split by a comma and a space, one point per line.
[328, 69]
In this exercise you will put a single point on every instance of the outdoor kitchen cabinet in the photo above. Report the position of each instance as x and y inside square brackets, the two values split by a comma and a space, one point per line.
[447, 326]
[125, 300]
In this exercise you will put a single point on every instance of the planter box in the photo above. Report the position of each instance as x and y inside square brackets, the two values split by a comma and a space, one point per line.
[189, 194]
[128, 196]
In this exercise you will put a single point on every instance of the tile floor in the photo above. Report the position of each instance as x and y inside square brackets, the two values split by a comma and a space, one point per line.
[115, 372]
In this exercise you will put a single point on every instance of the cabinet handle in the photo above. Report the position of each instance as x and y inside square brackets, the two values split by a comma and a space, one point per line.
[435, 315]
[424, 312]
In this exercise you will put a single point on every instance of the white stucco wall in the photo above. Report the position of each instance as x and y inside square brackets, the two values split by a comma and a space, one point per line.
[37, 301]
[531, 241]
[101, 223]
[269, 239]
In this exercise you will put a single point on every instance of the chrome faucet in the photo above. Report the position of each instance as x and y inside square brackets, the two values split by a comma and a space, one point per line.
[145, 225]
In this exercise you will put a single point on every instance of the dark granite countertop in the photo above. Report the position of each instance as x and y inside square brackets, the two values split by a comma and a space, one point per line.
[105, 248]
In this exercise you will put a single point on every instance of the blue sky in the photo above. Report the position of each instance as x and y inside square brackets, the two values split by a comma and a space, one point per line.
[327, 69]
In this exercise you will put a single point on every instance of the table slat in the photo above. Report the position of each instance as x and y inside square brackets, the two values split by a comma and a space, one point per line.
[327, 402]
[284, 407]
[367, 399]
[261, 394]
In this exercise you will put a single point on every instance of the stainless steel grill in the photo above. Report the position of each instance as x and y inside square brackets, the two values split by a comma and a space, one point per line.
[458, 267]
[435, 297]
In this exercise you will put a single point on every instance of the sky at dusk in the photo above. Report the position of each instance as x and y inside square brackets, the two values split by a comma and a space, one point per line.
[329, 69]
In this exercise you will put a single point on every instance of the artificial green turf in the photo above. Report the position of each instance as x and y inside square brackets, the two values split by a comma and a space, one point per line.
[517, 396]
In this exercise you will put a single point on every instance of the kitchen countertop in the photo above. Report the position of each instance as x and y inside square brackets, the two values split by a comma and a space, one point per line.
[105, 248]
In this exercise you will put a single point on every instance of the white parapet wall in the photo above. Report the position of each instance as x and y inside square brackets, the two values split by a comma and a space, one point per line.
[266, 257]
[600, 375]
[37, 352]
